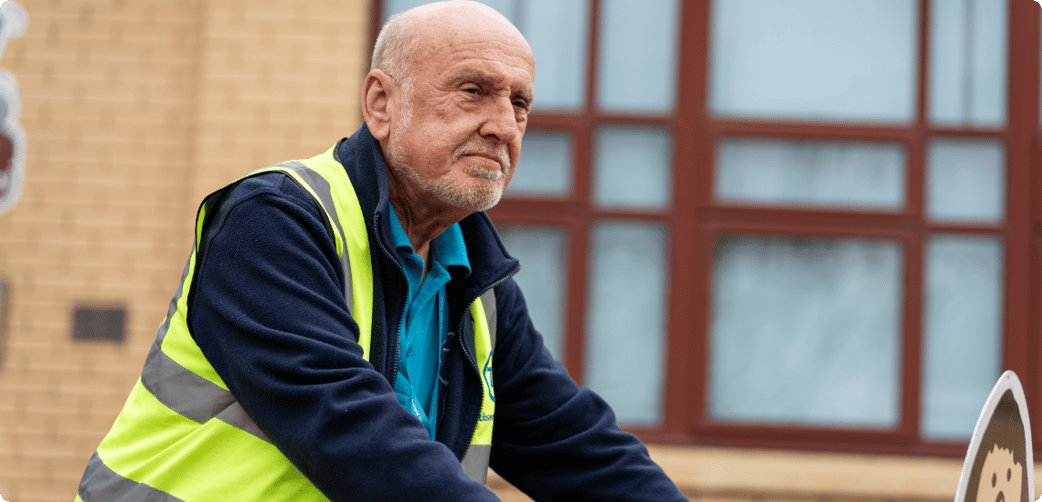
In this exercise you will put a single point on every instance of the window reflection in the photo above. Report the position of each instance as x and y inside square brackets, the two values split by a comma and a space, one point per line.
[818, 173]
[806, 331]
[966, 180]
[626, 319]
[817, 59]
[637, 56]
[545, 166]
[968, 59]
[633, 167]
[962, 344]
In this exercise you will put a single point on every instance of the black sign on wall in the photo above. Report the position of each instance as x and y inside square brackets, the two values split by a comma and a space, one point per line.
[105, 323]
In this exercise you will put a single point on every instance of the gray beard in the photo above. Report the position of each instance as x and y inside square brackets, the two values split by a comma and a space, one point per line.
[448, 189]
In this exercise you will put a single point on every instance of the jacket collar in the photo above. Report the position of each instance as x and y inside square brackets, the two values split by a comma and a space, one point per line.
[363, 160]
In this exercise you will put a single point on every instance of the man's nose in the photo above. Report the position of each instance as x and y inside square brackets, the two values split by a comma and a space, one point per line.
[501, 121]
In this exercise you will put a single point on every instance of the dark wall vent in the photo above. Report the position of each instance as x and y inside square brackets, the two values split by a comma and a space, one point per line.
[99, 323]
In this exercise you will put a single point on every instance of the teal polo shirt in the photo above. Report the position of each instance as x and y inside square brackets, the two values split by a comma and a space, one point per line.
[425, 319]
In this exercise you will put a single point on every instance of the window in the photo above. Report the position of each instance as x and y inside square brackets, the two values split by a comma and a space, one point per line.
[753, 222]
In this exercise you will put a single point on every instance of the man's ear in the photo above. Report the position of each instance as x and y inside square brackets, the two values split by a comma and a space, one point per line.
[376, 96]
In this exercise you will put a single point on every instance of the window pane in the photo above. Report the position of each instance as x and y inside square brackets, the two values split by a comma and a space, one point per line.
[966, 180]
[806, 331]
[545, 166]
[633, 167]
[505, 7]
[968, 40]
[636, 55]
[819, 59]
[963, 332]
[542, 252]
[625, 319]
[392, 7]
[818, 173]
[558, 33]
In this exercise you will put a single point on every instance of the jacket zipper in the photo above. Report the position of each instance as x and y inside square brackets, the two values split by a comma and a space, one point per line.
[401, 320]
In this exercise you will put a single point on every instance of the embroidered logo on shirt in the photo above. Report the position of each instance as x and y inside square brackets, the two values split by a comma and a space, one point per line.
[486, 375]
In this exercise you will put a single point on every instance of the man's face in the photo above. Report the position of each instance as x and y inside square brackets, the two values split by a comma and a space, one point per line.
[459, 136]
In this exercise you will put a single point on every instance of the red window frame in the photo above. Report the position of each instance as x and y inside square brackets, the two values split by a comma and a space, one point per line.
[695, 219]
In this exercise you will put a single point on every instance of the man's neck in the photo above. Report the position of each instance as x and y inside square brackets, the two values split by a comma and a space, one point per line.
[422, 217]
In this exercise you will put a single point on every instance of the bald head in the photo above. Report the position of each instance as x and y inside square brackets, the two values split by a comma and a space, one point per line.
[414, 32]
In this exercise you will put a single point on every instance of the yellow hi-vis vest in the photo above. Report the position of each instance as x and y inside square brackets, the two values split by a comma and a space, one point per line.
[161, 447]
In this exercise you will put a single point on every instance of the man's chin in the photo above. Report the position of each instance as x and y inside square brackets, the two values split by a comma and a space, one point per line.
[483, 202]
[484, 174]
[475, 199]
[467, 190]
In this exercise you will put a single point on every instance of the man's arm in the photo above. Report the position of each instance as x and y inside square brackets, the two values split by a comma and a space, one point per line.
[552, 439]
[268, 313]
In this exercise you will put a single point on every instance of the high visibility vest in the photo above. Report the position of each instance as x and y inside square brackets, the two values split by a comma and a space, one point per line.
[180, 412]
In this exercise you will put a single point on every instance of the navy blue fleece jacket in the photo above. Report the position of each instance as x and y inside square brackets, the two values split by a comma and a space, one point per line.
[267, 310]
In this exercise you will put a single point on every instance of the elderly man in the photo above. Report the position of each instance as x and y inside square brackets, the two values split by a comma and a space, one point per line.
[346, 323]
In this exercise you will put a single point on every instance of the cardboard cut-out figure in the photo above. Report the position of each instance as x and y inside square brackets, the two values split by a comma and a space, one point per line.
[999, 463]
[13, 23]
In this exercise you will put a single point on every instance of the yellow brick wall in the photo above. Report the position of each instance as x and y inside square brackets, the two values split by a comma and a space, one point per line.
[106, 109]
[134, 109]
[280, 80]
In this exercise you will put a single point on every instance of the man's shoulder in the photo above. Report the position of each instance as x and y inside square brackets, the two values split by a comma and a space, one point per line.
[269, 183]
[273, 193]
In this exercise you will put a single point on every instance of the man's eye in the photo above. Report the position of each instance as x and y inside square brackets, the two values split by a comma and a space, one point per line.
[472, 90]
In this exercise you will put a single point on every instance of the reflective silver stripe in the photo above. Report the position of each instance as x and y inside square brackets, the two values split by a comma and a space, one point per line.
[317, 183]
[475, 462]
[195, 397]
[173, 303]
[325, 195]
[235, 416]
[349, 294]
[345, 260]
[101, 484]
[488, 303]
[191, 395]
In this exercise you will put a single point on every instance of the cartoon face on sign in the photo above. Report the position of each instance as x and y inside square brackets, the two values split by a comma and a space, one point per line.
[998, 461]
[1001, 477]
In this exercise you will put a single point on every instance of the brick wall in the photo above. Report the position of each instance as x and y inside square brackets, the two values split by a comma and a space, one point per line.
[280, 80]
[133, 110]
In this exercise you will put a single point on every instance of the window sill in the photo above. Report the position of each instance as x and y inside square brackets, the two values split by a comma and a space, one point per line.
[748, 474]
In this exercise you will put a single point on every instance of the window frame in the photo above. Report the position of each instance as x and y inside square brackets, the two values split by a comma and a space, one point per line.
[694, 220]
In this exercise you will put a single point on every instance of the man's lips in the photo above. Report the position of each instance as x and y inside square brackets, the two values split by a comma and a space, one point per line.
[488, 156]
[486, 172]
[495, 153]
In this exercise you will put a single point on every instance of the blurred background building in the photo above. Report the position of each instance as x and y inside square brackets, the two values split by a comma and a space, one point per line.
[792, 242]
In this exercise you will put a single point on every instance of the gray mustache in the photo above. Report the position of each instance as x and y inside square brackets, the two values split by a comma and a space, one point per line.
[471, 147]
